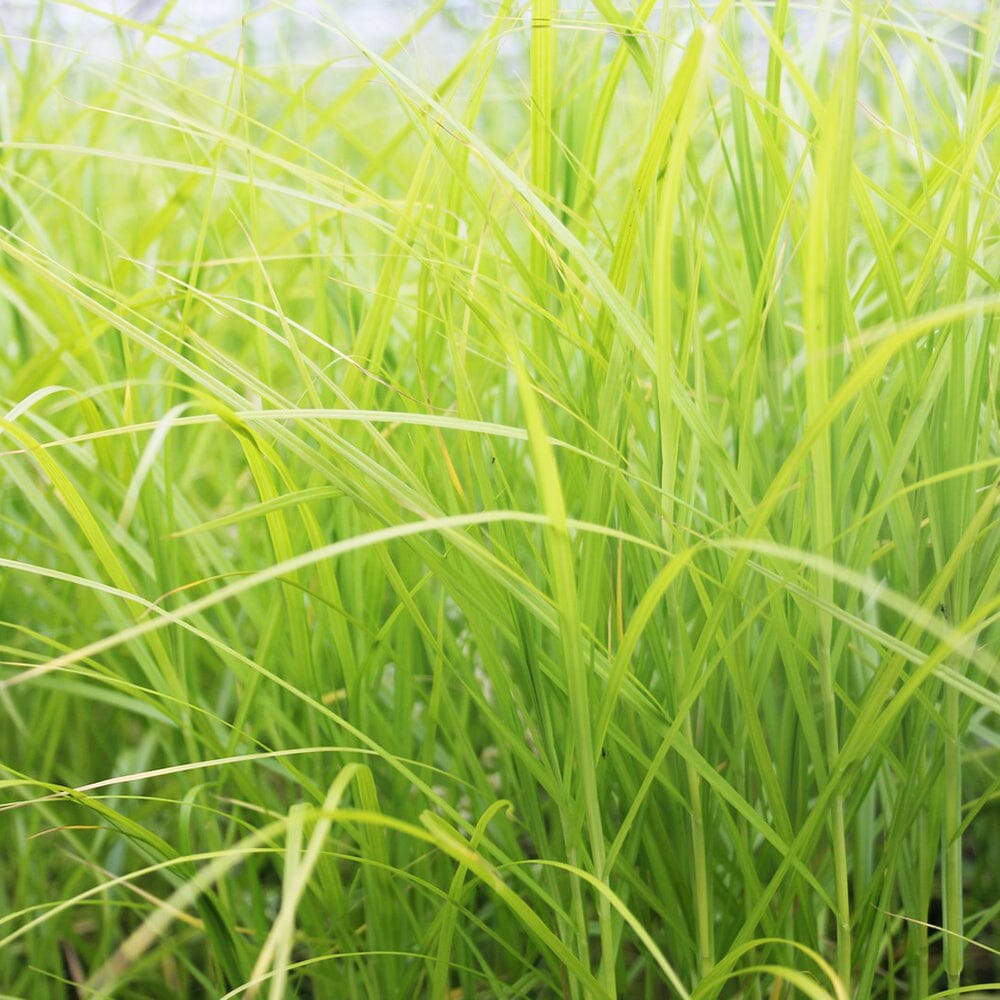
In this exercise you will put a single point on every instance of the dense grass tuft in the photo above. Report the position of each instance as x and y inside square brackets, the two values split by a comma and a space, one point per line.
[512, 513]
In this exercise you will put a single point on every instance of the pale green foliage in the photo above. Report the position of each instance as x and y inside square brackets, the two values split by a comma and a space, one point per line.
[525, 528]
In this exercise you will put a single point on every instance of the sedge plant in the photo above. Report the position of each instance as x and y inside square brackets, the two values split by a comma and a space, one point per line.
[510, 511]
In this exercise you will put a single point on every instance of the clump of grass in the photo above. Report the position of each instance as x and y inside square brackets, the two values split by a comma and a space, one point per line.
[525, 531]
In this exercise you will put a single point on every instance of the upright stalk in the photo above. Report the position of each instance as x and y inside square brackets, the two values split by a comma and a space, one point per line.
[826, 302]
